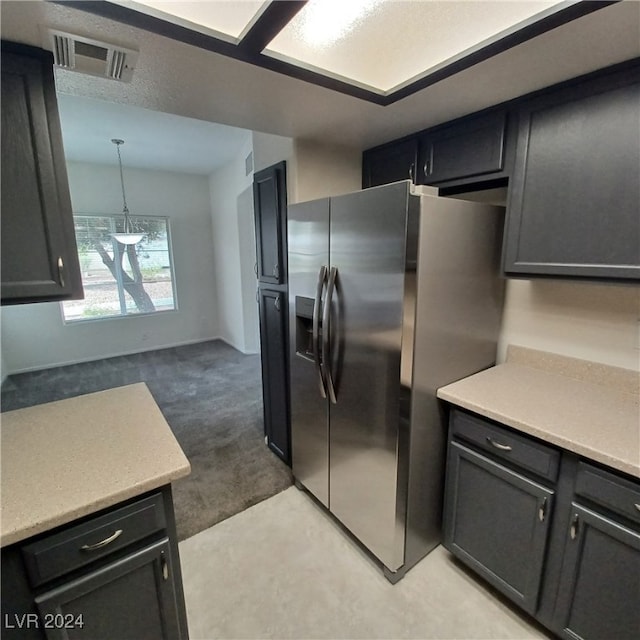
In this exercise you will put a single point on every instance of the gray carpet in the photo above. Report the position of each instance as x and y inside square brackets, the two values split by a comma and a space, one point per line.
[211, 396]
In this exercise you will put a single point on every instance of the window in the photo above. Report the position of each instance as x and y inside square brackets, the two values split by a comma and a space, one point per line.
[122, 280]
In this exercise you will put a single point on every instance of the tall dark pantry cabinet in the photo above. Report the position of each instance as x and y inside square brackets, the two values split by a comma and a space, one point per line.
[270, 211]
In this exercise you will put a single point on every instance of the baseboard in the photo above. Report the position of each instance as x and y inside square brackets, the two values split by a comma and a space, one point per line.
[128, 352]
[242, 351]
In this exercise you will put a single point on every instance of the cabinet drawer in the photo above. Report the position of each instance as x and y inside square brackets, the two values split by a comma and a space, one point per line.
[82, 544]
[608, 490]
[520, 450]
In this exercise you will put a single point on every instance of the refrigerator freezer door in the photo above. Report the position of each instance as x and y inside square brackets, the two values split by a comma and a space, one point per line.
[369, 251]
[308, 242]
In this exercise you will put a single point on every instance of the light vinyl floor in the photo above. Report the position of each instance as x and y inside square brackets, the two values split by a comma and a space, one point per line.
[284, 569]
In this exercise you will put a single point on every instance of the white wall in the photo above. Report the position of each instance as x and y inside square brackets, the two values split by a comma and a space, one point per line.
[579, 319]
[313, 171]
[247, 257]
[269, 149]
[320, 171]
[34, 336]
[225, 187]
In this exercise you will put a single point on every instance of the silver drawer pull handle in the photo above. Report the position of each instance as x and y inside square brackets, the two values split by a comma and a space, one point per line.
[573, 529]
[165, 566]
[542, 509]
[61, 270]
[102, 543]
[636, 505]
[497, 445]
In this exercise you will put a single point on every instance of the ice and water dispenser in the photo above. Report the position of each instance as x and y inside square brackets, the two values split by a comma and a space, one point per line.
[304, 327]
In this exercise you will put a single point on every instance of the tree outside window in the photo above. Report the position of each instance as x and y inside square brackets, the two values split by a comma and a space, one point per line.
[122, 279]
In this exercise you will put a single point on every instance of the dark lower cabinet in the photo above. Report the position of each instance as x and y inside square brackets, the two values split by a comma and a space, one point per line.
[599, 594]
[132, 598]
[275, 381]
[114, 574]
[497, 522]
[561, 541]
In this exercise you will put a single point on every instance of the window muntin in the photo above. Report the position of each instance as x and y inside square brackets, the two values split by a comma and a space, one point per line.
[121, 280]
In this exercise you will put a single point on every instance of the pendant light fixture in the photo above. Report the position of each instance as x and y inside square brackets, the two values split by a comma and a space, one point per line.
[128, 237]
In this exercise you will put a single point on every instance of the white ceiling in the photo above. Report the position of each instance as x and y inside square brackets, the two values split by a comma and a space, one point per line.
[180, 79]
[341, 38]
[382, 45]
[220, 18]
[153, 140]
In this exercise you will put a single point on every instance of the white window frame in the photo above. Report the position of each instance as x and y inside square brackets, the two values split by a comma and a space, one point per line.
[114, 218]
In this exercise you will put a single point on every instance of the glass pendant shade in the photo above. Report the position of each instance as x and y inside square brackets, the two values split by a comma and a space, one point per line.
[127, 236]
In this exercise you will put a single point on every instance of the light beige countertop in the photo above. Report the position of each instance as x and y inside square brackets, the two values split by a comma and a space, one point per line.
[63, 460]
[588, 408]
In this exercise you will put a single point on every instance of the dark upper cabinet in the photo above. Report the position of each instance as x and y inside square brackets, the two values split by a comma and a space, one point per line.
[270, 211]
[574, 196]
[468, 148]
[390, 163]
[275, 387]
[39, 256]
[570, 155]
[466, 151]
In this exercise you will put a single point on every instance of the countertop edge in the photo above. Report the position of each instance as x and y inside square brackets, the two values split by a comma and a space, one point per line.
[111, 500]
[75, 457]
[528, 428]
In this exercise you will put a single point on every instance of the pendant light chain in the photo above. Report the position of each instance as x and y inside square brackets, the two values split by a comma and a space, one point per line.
[125, 209]
[128, 237]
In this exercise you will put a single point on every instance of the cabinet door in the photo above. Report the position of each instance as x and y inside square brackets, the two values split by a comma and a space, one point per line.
[473, 147]
[600, 582]
[39, 257]
[496, 521]
[132, 598]
[573, 204]
[275, 381]
[390, 163]
[270, 211]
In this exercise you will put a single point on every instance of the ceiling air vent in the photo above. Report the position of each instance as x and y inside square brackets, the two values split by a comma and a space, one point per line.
[86, 55]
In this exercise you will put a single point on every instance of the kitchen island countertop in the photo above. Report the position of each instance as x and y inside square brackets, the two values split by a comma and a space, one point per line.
[66, 459]
[587, 408]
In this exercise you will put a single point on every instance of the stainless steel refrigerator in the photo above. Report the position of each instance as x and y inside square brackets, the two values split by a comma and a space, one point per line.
[393, 293]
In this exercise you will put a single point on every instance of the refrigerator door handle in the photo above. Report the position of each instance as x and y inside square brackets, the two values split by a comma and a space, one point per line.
[315, 336]
[326, 352]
